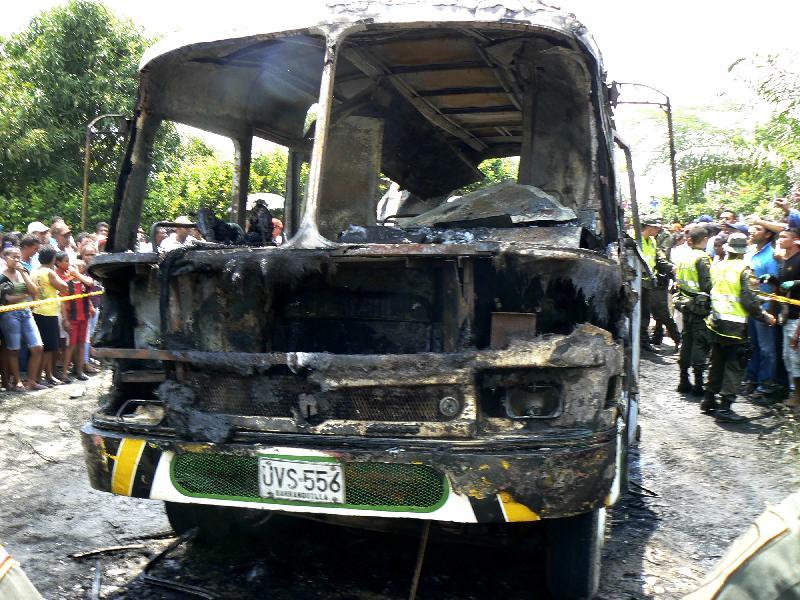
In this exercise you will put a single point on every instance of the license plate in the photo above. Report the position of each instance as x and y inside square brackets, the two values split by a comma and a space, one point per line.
[305, 481]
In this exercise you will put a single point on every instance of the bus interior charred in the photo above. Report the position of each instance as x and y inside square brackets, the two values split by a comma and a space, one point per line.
[487, 336]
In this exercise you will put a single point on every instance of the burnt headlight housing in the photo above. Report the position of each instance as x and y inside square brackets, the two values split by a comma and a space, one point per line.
[521, 394]
[537, 400]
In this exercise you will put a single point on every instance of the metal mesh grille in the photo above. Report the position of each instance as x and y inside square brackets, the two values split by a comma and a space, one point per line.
[392, 484]
[277, 396]
[249, 396]
[390, 403]
[216, 474]
[366, 483]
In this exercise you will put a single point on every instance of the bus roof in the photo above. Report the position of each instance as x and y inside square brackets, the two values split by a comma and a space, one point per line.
[526, 13]
[447, 78]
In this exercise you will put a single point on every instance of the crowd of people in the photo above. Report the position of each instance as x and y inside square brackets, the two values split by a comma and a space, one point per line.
[734, 285]
[48, 341]
[206, 227]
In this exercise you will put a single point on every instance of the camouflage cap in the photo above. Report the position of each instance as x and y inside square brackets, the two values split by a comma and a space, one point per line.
[652, 220]
[737, 243]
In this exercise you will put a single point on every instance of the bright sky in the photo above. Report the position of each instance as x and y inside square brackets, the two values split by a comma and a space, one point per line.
[682, 47]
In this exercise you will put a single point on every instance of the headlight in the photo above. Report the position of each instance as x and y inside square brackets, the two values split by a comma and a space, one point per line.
[533, 401]
[521, 394]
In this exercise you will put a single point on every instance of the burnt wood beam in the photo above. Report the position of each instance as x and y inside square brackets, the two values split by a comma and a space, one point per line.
[503, 139]
[398, 71]
[472, 110]
[495, 124]
[432, 68]
[373, 67]
[503, 75]
[460, 91]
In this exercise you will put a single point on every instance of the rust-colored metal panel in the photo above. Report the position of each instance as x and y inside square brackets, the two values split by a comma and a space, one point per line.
[509, 326]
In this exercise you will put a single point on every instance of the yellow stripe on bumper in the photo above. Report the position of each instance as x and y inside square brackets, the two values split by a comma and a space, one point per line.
[125, 465]
[513, 511]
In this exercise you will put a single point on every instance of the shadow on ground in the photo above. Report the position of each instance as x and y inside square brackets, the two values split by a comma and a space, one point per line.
[632, 523]
[294, 558]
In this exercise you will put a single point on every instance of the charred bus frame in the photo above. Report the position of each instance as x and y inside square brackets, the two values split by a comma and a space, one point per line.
[475, 362]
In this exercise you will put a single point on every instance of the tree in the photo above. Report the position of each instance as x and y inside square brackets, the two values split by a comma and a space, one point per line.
[268, 172]
[203, 178]
[71, 64]
[495, 170]
[742, 170]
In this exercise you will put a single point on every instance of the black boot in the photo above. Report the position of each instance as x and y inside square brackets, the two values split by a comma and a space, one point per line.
[725, 413]
[697, 388]
[675, 334]
[684, 386]
[658, 334]
[709, 404]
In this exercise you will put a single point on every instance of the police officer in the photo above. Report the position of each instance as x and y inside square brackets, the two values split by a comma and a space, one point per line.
[654, 298]
[693, 276]
[14, 584]
[732, 301]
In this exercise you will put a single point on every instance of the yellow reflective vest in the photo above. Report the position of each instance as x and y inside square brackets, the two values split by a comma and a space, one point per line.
[649, 252]
[726, 292]
[686, 274]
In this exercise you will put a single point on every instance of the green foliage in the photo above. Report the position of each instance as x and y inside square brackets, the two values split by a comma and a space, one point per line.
[775, 78]
[729, 168]
[268, 172]
[204, 179]
[72, 64]
[495, 170]
[741, 170]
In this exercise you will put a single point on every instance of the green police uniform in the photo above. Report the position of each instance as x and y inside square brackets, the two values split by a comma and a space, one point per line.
[655, 293]
[14, 584]
[693, 277]
[732, 301]
[763, 563]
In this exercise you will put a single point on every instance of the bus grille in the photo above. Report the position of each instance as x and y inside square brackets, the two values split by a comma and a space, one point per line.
[370, 484]
[280, 396]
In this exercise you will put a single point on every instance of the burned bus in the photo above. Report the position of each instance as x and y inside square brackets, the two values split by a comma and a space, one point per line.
[463, 360]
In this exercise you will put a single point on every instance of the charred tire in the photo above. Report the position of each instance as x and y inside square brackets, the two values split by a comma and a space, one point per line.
[214, 523]
[574, 550]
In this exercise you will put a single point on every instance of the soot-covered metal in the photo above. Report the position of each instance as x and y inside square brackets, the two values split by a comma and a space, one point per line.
[474, 355]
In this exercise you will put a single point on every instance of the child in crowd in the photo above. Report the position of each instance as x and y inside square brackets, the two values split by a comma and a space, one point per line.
[60, 359]
[76, 315]
[88, 252]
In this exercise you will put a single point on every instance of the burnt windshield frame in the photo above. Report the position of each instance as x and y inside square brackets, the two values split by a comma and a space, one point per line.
[595, 132]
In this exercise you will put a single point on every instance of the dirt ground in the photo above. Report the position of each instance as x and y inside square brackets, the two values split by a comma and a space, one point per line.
[698, 484]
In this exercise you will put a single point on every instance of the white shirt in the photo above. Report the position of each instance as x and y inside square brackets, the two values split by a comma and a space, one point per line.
[677, 253]
[171, 242]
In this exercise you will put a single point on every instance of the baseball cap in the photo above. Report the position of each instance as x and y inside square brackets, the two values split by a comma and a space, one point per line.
[740, 227]
[37, 227]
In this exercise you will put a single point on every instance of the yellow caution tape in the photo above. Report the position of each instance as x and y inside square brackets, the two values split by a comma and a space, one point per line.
[777, 298]
[32, 303]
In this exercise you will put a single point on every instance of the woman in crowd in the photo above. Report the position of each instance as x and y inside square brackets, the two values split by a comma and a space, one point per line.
[19, 325]
[46, 315]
